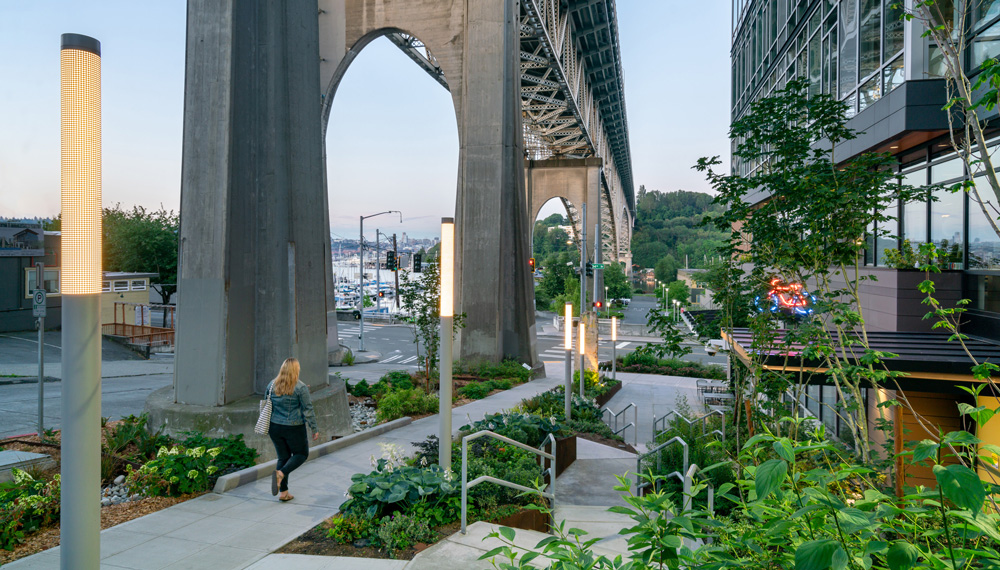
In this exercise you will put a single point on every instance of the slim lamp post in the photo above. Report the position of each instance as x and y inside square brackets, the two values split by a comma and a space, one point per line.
[583, 353]
[614, 348]
[447, 320]
[80, 62]
[568, 345]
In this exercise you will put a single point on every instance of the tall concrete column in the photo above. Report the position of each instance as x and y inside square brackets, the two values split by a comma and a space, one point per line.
[492, 227]
[253, 239]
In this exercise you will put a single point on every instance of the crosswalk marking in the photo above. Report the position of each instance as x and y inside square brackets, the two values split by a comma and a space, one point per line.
[408, 360]
[623, 344]
[391, 358]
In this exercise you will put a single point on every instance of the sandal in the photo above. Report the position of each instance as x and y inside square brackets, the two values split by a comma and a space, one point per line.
[286, 499]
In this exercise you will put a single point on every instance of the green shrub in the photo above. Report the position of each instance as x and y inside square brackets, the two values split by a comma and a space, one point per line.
[399, 403]
[528, 429]
[233, 451]
[399, 532]
[26, 505]
[552, 404]
[388, 489]
[398, 380]
[345, 529]
[475, 390]
[175, 471]
[361, 389]
[511, 369]
[649, 364]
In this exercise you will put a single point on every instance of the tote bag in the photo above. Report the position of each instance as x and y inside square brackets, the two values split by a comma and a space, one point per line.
[264, 421]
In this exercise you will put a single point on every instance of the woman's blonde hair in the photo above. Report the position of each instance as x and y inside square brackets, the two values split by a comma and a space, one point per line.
[288, 376]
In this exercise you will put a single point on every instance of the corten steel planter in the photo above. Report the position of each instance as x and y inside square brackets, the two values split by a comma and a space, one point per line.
[528, 519]
[606, 397]
[565, 455]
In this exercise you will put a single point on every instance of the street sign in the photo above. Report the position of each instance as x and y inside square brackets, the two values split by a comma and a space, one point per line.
[38, 303]
[598, 266]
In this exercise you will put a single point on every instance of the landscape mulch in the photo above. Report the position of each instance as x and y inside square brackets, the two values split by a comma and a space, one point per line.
[110, 516]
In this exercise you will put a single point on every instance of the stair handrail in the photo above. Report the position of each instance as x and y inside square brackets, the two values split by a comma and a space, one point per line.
[663, 420]
[466, 484]
[634, 424]
[688, 481]
[639, 484]
[704, 422]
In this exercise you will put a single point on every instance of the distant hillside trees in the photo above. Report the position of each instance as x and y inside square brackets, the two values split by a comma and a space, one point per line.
[668, 228]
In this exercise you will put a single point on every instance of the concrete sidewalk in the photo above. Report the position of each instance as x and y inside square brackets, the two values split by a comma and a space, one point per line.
[238, 528]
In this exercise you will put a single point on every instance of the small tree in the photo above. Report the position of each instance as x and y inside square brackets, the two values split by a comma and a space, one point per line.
[422, 299]
[616, 282]
[141, 241]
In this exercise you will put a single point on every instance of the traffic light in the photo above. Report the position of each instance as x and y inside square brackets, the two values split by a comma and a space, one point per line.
[390, 260]
[590, 269]
[417, 261]
[381, 294]
[531, 264]
[598, 305]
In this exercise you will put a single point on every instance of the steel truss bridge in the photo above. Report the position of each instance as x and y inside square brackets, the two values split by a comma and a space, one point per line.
[572, 99]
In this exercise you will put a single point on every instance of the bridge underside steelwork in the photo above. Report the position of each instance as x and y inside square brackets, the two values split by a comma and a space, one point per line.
[533, 83]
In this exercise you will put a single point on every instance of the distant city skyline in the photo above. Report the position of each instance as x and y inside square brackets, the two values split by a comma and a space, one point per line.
[392, 141]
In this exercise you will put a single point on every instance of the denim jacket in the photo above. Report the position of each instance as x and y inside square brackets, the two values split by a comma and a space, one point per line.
[290, 409]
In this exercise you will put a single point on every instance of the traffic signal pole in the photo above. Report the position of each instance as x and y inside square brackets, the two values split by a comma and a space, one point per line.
[378, 275]
[583, 261]
[396, 272]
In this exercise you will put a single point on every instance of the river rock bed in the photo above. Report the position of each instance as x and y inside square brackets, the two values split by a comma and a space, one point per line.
[362, 417]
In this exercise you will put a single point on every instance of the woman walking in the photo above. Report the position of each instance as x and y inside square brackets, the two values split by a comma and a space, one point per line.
[291, 409]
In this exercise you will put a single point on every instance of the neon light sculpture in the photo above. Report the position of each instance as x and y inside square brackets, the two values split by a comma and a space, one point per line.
[790, 298]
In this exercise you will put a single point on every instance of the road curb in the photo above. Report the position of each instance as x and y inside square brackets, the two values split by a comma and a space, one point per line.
[257, 472]
[26, 380]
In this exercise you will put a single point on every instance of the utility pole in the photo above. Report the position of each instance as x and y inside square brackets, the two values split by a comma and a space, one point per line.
[361, 275]
[597, 258]
[40, 311]
[396, 272]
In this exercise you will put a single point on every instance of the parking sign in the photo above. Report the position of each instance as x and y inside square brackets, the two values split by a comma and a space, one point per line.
[38, 303]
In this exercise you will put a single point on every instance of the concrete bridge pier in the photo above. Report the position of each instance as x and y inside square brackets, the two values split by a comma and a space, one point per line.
[254, 237]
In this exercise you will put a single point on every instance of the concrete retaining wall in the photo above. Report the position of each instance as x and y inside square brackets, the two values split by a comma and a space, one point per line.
[604, 327]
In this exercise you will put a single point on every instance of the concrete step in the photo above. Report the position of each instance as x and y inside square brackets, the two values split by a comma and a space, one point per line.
[307, 562]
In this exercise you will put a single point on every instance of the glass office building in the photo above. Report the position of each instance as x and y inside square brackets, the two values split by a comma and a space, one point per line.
[890, 76]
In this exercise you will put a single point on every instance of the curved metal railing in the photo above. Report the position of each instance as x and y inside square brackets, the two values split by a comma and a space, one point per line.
[634, 424]
[550, 493]
[639, 483]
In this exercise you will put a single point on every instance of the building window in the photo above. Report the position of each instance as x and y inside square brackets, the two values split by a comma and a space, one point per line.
[986, 45]
[105, 286]
[138, 284]
[121, 285]
[51, 284]
[915, 212]
[984, 244]
[869, 93]
[986, 10]
[893, 38]
[893, 75]
[848, 45]
[870, 54]
[947, 225]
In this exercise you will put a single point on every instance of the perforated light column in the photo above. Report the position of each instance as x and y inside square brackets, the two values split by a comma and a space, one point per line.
[583, 352]
[447, 319]
[568, 342]
[80, 62]
[614, 348]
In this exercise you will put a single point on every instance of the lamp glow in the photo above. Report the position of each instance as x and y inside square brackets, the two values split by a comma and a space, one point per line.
[568, 325]
[447, 267]
[583, 336]
[81, 169]
[614, 329]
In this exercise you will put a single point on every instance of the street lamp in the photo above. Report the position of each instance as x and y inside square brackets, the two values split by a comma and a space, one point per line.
[80, 63]
[568, 345]
[583, 353]
[447, 328]
[361, 273]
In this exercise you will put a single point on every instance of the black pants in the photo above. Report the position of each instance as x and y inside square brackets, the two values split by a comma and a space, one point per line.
[292, 446]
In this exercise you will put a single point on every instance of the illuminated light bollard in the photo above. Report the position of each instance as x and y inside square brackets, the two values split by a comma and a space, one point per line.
[80, 63]
[568, 342]
[447, 326]
[614, 348]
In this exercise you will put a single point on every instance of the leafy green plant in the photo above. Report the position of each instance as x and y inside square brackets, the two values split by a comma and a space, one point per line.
[475, 390]
[388, 489]
[26, 505]
[399, 403]
[345, 529]
[361, 389]
[529, 429]
[233, 454]
[175, 471]
[422, 299]
[399, 532]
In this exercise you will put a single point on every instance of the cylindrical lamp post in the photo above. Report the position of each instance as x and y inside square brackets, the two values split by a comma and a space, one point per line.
[447, 326]
[583, 353]
[614, 348]
[80, 62]
[568, 345]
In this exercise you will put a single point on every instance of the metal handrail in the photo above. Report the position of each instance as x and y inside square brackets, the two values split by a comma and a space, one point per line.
[466, 485]
[625, 427]
[615, 417]
[689, 497]
[639, 484]
[663, 421]
[704, 422]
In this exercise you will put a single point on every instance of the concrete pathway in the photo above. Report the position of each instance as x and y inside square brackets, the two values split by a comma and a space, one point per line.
[238, 528]
[241, 528]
